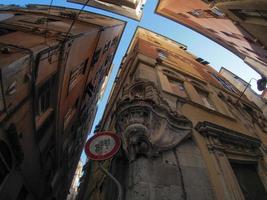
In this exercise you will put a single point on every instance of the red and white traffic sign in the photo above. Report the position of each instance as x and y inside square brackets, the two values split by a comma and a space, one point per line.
[102, 146]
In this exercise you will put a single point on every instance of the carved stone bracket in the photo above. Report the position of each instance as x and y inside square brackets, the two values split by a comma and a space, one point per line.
[146, 122]
[229, 141]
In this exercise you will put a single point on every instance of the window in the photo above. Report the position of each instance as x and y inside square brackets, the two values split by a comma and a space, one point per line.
[95, 57]
[201, 13]
[202, 61]
[4, 31]
[115, 40]
[236, 77]
[249, 181]
[70, 114]
[177, 87]
[214, 12]
[90, 89]
[39, 20]
[205, 99]
[5, 161]
[106, 47]
[45, 96]
[68, 117]
[224, 83]
[108, 59]
[76, 73]
[208, 1]
[45, 127]
[162, 54]
[70, 15]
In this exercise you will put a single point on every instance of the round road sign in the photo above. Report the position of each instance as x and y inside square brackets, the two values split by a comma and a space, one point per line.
[102, 146]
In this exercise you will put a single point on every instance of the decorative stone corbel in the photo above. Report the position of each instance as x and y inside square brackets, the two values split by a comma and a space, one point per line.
[146, 122]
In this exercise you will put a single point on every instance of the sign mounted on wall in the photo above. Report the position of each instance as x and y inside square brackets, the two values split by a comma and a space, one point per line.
[102, 146]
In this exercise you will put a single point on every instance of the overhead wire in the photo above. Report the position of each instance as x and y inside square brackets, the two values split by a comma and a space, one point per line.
[48, 14]
[74, 20]
[70, 27]
[72, 24]
[46, 29]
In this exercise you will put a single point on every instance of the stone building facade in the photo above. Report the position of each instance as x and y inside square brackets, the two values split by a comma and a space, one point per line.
[53, 62]
[183, 135]
[238, 25]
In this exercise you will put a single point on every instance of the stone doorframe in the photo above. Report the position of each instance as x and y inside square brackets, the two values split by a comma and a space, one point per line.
[226, 145]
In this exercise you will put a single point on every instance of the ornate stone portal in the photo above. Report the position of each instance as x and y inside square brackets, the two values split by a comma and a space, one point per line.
[228, 146]
[146, 122]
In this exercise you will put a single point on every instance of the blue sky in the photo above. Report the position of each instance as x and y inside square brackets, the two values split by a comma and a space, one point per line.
[199, 45]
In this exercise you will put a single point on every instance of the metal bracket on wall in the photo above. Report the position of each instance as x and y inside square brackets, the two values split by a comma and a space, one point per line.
[120, 195]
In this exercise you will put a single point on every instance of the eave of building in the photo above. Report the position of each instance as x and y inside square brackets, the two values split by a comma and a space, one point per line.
[118, 10]
[140, 30]
[106, 21]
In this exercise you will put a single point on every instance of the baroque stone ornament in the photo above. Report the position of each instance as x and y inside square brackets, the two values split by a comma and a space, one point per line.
[147, 123]
[229, 141]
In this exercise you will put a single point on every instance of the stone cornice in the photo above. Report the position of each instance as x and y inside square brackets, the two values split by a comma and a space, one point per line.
[226, 135]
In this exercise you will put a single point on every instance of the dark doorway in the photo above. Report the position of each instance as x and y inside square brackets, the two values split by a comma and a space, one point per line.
[249, 181]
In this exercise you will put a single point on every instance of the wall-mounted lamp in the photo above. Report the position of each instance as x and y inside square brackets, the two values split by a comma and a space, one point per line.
[261, 85]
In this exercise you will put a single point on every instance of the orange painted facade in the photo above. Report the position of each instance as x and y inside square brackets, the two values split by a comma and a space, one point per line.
[209, 20]
[52, 74]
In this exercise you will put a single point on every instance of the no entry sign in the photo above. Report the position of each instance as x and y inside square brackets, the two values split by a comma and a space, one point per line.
[102, 146]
